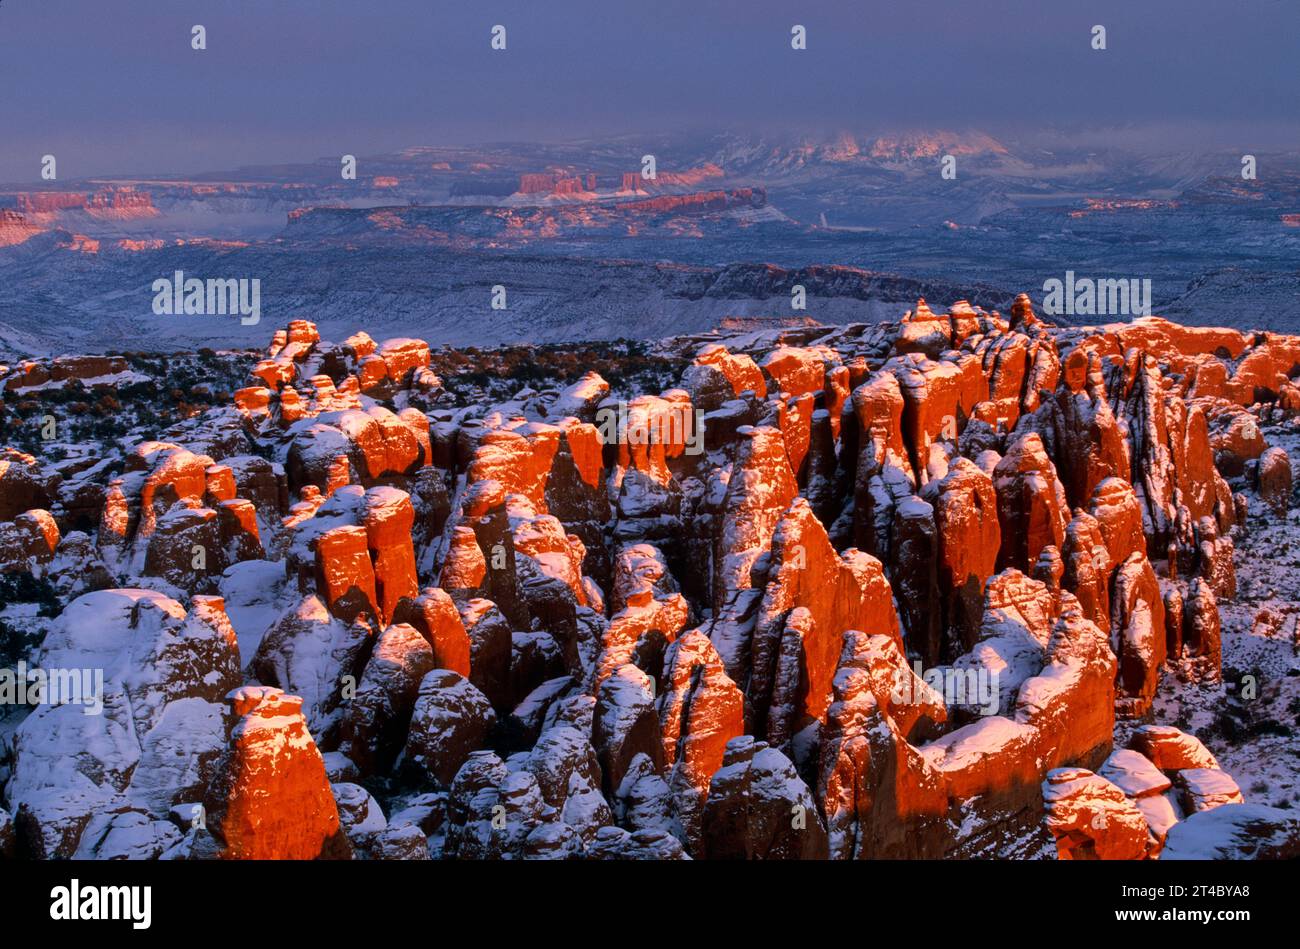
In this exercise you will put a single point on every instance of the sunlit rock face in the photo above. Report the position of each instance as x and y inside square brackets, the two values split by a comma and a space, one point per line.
[918, 589]
[270, 798]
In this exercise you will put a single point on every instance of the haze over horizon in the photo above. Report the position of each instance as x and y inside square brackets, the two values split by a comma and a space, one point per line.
[113, 93]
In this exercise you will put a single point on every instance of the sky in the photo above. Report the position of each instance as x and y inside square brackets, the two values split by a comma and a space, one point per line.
[115, 88]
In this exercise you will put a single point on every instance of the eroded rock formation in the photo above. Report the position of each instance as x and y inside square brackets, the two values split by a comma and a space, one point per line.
[847, 592]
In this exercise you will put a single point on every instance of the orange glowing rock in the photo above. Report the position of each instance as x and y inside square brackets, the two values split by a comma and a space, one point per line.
[270, 799]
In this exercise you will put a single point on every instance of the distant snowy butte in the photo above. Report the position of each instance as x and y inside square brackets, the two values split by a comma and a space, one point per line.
[118, 203]
[931, 144]
[15, 228]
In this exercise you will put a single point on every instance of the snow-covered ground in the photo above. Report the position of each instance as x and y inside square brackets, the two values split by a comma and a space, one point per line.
[1252, 724]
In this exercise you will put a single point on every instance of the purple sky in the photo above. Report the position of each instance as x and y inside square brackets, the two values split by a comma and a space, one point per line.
[113, 87]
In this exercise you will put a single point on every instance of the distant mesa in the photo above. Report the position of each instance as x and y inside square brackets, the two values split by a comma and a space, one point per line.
[668, 215]
[690, 177]
[1101, 205]
[45, 202]
[15, 228]
[750, 324]
[563, 184]
[111, 203]
[699, 201]
[555, 183]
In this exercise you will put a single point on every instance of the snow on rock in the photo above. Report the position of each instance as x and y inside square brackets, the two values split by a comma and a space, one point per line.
[312, 653]
[1170, 749]
[760, 809]
[568, 776]
[255, 595]
[968, 538]
[1032, 508]
[1206, 788]
[700, 710]
[1235, 832]
[1092, 819]
[811, 597]
[360, 815]
[625, 724]
[379, 714]
[534, 635]
[164, 676]
[1274, 476]
[270, 798]
[1137, 634]
[450, 719]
